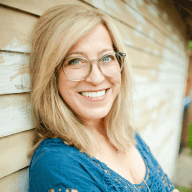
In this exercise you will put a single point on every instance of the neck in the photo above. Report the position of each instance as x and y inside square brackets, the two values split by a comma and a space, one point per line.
[97, 126]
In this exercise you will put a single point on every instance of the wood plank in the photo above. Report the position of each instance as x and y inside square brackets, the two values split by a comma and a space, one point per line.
[117, 9]
[172, 19]
[157, 17]
[132, 18]
[35, 6]
[14, 73]
[15, 78]
[146, 91]
[163, 106]
[130, 38]
[154, 62]
[16, 182]
[13, 152]
[16, 29]
[141, 42]
[149, 76]
[170, 150]
[16, 114]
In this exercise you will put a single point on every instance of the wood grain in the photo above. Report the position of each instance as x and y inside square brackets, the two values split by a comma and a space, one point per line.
[13, 35]
[158, 17]
[115, 8]
[15, 182]
[16, 114]
[14, 73]
[134, 20]
[16, 29]
[13, 152]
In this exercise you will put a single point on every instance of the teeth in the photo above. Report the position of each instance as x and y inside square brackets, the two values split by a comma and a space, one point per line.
[94, 94]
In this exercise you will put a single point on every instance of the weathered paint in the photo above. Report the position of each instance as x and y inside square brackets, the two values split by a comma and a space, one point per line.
[152, 9]
[16, 34]
[113, 5]
[99, 4]
[169, 28]
[138, 30]
[21, 183]
[136, 15]
[15, 45]
[151, 35]
[14, 73]
[134, 3]
[128, 42]
[13, 152]
[165, 15]
[15, 182]
[16, 114]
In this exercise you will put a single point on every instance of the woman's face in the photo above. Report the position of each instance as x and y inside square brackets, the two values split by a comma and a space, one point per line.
[91, 46]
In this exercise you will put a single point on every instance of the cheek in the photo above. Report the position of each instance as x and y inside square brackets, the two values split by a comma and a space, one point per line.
[63, 85]
[117, 81]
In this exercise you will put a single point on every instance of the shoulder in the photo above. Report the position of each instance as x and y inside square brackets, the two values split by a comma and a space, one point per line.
[52, 151]
[55, 164]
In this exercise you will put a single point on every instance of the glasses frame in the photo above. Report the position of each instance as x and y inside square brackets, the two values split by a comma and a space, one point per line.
[122, 55]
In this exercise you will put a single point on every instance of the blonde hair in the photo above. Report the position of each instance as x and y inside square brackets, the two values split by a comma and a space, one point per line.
[57, 30]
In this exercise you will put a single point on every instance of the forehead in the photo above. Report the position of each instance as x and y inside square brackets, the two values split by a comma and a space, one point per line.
[97, 41]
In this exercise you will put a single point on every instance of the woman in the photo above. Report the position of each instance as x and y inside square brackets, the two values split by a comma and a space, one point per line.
[81, 93]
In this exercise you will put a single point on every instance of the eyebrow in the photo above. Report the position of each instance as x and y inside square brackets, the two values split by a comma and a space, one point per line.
[82, 53]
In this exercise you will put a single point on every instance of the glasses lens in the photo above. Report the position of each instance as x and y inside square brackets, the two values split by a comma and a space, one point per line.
[76, 68]
[111, 64]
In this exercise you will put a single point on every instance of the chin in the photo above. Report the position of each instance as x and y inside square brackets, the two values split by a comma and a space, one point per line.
[94, 114]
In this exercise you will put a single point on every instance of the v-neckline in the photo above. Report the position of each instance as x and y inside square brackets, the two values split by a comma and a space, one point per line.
[108, 170]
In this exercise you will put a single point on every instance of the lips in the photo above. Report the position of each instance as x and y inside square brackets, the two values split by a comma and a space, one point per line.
[94, 96]
[93, 93]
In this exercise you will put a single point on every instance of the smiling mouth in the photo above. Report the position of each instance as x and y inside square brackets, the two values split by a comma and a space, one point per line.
[93, 94]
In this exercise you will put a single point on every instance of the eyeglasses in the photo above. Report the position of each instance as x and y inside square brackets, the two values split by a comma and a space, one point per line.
[79, 68]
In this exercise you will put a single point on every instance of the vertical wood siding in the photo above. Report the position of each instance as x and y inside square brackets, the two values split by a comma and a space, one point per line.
[155, 40]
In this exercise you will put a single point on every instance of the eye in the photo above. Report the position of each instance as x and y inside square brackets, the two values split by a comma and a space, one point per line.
[108, 58]
[74, 61]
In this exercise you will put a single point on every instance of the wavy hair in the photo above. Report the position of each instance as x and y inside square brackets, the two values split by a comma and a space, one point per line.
[57, 30]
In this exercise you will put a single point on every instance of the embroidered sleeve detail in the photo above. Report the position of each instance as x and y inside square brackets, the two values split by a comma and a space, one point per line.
[61, 189]
[51, 141]
[155, 179]
[117, 183]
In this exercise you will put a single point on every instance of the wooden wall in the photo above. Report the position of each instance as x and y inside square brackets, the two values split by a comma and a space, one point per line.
[188, 112]
[155, 38]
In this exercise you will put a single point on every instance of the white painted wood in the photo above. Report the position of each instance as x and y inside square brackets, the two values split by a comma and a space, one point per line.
[16, 30]
[154, 76]
[115, 8]
[147, 45]
[13, 152]
[153, 90]
[134, 19]
[161, 63]
[14, 73]
[16, 182]
[37, 7]
[161, 133]
[11, 38]
[16, 114]
[152, 13]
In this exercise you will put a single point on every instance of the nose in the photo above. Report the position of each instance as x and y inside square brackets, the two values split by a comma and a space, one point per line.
[95, 77]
